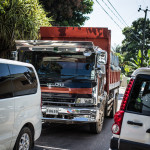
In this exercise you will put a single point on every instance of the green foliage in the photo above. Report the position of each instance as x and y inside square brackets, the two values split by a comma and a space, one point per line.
[20, 19]
[68, 12]
[131, 44]
[116, 48]
[130, 53]
[134, 64]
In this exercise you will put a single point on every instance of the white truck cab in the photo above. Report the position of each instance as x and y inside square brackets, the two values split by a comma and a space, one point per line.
[131, 130]
[20, 111]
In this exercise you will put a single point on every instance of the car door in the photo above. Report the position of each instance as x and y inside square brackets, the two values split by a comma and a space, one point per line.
[6, 108]
[24, 86]
[135, 131]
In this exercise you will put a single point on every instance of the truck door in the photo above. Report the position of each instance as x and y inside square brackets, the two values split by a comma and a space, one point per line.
[135, 131]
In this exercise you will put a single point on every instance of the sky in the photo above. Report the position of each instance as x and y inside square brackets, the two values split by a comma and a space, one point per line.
[128, 10]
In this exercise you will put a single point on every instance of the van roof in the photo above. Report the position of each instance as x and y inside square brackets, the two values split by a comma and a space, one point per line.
[143, 70]
[7, 61]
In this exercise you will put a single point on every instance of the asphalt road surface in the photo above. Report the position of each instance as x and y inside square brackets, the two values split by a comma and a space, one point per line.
[75, 137]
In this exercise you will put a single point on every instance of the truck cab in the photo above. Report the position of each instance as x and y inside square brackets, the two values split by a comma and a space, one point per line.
[72, 77]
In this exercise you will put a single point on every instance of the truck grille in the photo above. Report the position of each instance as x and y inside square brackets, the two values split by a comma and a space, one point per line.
[58, 100]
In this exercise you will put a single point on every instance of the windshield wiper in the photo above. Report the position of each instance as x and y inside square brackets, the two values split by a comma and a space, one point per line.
[74, 77]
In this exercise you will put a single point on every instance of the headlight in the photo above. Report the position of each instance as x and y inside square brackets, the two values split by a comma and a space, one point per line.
[85, 101]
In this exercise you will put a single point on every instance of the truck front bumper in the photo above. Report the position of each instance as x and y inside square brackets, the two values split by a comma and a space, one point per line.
[70, 115]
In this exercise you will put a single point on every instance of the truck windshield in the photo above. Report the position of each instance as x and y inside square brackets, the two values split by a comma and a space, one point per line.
[51, 65]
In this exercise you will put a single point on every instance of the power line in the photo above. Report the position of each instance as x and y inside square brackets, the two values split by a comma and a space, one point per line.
[113, 13]
[122, 19]
[115, 21]
[117, 12]
[118, 18]
[108, 14]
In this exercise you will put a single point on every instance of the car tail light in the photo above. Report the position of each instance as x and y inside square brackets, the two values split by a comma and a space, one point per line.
[126, 95]
[116, 127]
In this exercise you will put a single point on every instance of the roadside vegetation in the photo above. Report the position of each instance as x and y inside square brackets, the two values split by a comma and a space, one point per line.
[20, 20]
[68, 12]
[129, 52]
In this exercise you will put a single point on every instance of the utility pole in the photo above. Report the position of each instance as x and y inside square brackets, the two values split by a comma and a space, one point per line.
[143, 45]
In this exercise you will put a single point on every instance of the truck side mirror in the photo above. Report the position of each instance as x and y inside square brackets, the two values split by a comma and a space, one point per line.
[13, 55]
[101, 56]
[101, 69]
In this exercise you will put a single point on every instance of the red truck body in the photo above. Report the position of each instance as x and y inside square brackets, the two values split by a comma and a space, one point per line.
[99, 36]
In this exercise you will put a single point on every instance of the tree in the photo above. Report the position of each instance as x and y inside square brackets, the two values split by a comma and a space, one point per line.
[133, 38]
[20, 20]
[68, 12]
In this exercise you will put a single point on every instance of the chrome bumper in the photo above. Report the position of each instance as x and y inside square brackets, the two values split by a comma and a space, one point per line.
[71, 115]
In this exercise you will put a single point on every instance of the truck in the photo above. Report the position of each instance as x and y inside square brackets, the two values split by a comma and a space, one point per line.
[78, 73]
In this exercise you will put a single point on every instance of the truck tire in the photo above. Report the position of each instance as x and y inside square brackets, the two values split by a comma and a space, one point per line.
[114, 107]
[24, 140]
[96, 127]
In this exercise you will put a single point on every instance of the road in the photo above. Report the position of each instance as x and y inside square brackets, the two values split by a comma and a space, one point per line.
[76, 137]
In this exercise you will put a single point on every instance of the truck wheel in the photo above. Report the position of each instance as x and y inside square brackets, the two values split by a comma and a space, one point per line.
[114, 107]
[24, 140]
[97, 126]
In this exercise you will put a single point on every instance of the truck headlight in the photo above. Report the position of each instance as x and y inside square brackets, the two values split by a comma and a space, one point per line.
[85, 101]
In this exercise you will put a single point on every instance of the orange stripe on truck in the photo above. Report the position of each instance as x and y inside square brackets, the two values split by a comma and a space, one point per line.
[67, 90]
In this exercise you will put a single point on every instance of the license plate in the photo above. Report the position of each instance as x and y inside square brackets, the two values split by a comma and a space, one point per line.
[52, 111]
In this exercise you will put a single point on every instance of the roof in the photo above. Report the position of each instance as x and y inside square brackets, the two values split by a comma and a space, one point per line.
[48, 43]
[58, 46]
[144, 70]
[13, 62]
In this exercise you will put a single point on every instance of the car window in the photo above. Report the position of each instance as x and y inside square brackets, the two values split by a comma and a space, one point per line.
[139, 101]
[24, 80]
[5, 82]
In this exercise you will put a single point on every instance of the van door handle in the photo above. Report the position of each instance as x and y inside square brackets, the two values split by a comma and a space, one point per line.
[148, 130]
[135, 123]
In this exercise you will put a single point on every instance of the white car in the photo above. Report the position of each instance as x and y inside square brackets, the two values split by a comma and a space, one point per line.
[131, 128]
[20, 110]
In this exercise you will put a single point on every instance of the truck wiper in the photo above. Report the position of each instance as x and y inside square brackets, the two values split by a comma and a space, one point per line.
[74, 77]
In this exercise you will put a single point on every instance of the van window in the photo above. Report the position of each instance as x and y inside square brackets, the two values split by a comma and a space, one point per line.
[139, 100]
[5, 82]
[24, 80]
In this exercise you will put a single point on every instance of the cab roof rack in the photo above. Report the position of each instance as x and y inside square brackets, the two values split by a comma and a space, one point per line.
[48, 43]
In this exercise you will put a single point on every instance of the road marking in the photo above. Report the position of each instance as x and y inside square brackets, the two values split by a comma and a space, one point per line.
[51, 148]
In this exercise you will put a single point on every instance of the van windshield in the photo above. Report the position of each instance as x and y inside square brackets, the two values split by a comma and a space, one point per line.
[63, 66]
[139, 100]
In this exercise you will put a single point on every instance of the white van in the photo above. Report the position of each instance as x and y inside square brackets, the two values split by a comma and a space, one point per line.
[131, 128]
[20, 110]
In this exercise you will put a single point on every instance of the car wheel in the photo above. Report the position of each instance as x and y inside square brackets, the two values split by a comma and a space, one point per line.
[24, 140]
[97, 126]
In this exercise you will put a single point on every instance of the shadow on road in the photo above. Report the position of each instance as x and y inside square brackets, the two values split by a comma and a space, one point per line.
[73, 137]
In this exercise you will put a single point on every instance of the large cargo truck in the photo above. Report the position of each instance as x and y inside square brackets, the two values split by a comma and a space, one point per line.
[79, 75]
